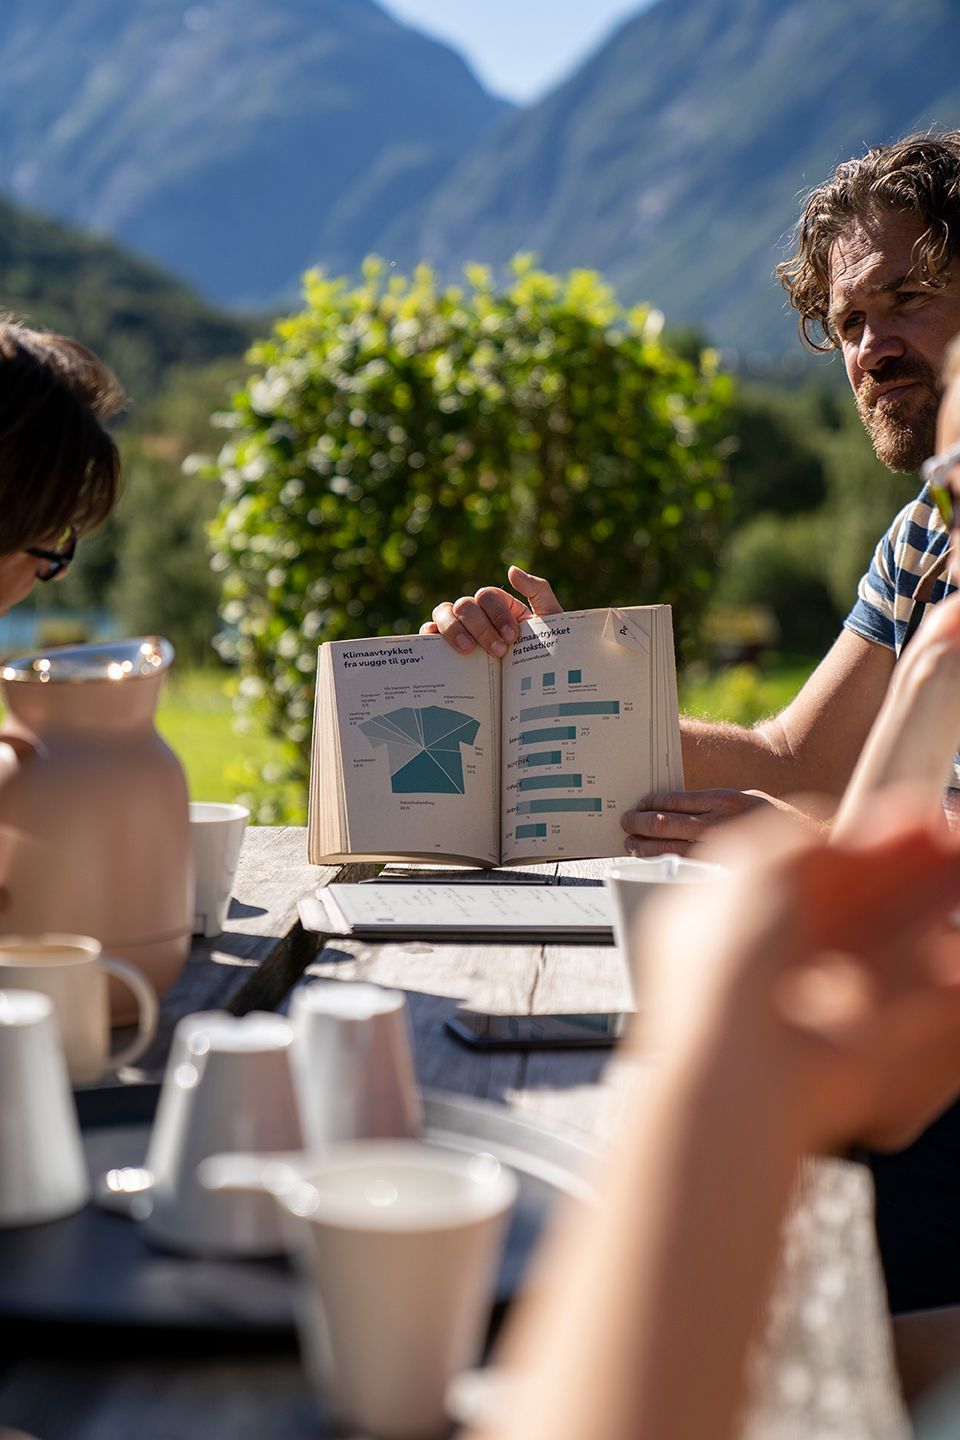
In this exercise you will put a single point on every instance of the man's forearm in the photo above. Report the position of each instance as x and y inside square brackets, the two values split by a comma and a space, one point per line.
[718, 755]
[812, 746]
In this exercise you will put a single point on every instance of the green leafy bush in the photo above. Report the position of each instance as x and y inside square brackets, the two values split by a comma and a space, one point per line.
[401, 442]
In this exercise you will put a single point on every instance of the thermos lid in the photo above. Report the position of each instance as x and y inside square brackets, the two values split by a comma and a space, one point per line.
[116, 660]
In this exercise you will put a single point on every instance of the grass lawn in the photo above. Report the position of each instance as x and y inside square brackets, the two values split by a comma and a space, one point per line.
[743, 694]
[196, 718]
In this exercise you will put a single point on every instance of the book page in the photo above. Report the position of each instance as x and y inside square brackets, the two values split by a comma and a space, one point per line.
[589, 724]
[417, 748]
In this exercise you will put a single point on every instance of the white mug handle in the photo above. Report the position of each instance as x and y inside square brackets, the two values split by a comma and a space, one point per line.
[146, 998]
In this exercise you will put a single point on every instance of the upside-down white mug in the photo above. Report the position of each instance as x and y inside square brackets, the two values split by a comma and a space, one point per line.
[353, 1064]
[227, 1086]
[73, 971]
[43, 1173]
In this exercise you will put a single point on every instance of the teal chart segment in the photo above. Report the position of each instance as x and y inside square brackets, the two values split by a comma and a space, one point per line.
[424, 747]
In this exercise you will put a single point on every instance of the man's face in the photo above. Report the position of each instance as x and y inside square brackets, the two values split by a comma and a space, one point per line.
[892, 331]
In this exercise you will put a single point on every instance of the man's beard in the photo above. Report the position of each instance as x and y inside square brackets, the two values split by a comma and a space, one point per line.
[903, 434]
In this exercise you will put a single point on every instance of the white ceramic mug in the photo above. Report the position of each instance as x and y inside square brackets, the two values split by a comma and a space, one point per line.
[397, 1244]
[631, 884]
[353, 1064]
[43, 1173]
[73, 972]
[227, 1086]
[216, 835]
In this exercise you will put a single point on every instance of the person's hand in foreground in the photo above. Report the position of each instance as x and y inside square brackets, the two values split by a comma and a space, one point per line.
[491, 618]
[672, 822]
[836, 955]
[810, 1002]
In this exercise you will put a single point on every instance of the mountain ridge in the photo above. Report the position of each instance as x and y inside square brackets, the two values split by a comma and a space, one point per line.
[142, 320]
[239, 141]
[235, 141]
[694, 125]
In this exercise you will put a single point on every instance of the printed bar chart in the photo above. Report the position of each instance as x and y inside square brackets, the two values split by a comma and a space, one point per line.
[571, 707]
[539, 752]
[552, 807]
[550, 782]
[550, 735]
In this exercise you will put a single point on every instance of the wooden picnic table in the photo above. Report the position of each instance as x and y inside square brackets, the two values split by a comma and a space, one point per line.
[92, 1391]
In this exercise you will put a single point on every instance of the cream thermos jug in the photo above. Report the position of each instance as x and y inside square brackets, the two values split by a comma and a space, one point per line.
[94, 818]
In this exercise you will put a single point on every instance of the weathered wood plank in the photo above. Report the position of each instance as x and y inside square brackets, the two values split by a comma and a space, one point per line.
[263, 948]
[502, 979]
[575, 871]
[436, 978]
[581, 1090]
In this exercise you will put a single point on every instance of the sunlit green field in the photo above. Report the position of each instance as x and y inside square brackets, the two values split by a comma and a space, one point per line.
[196, 719]
[743, 694]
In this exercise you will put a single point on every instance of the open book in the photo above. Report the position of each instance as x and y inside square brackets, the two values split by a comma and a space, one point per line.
[420, 753]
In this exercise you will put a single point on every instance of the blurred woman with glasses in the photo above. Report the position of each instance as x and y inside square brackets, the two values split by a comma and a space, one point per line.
[59, 468]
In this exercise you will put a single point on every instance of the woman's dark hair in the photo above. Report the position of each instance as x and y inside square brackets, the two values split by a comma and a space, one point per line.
[919, 175]
[58, 465]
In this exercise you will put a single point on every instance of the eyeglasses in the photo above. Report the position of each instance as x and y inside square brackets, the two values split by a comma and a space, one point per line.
[53, 562]
[934, 472]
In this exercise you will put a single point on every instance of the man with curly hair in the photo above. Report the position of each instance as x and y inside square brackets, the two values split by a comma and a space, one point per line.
[873, 277]
[876, 276]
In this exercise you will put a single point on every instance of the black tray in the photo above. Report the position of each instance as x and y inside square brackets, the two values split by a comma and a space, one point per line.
[95, 1269]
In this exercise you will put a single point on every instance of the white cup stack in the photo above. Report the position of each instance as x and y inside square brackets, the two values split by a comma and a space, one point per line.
[396, 1240]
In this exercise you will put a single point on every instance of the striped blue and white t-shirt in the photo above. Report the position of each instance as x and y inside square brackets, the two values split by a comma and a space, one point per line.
[906, 576]
[893, 587]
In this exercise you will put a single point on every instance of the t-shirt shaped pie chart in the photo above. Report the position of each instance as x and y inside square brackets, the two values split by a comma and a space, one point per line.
[424, 747]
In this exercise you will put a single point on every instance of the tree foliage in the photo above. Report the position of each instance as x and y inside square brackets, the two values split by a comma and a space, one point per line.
[149, 565]
[777, 467]
[400, 442]
[811, 500]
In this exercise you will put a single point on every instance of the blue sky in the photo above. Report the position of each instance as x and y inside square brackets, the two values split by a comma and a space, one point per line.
[518, 48]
